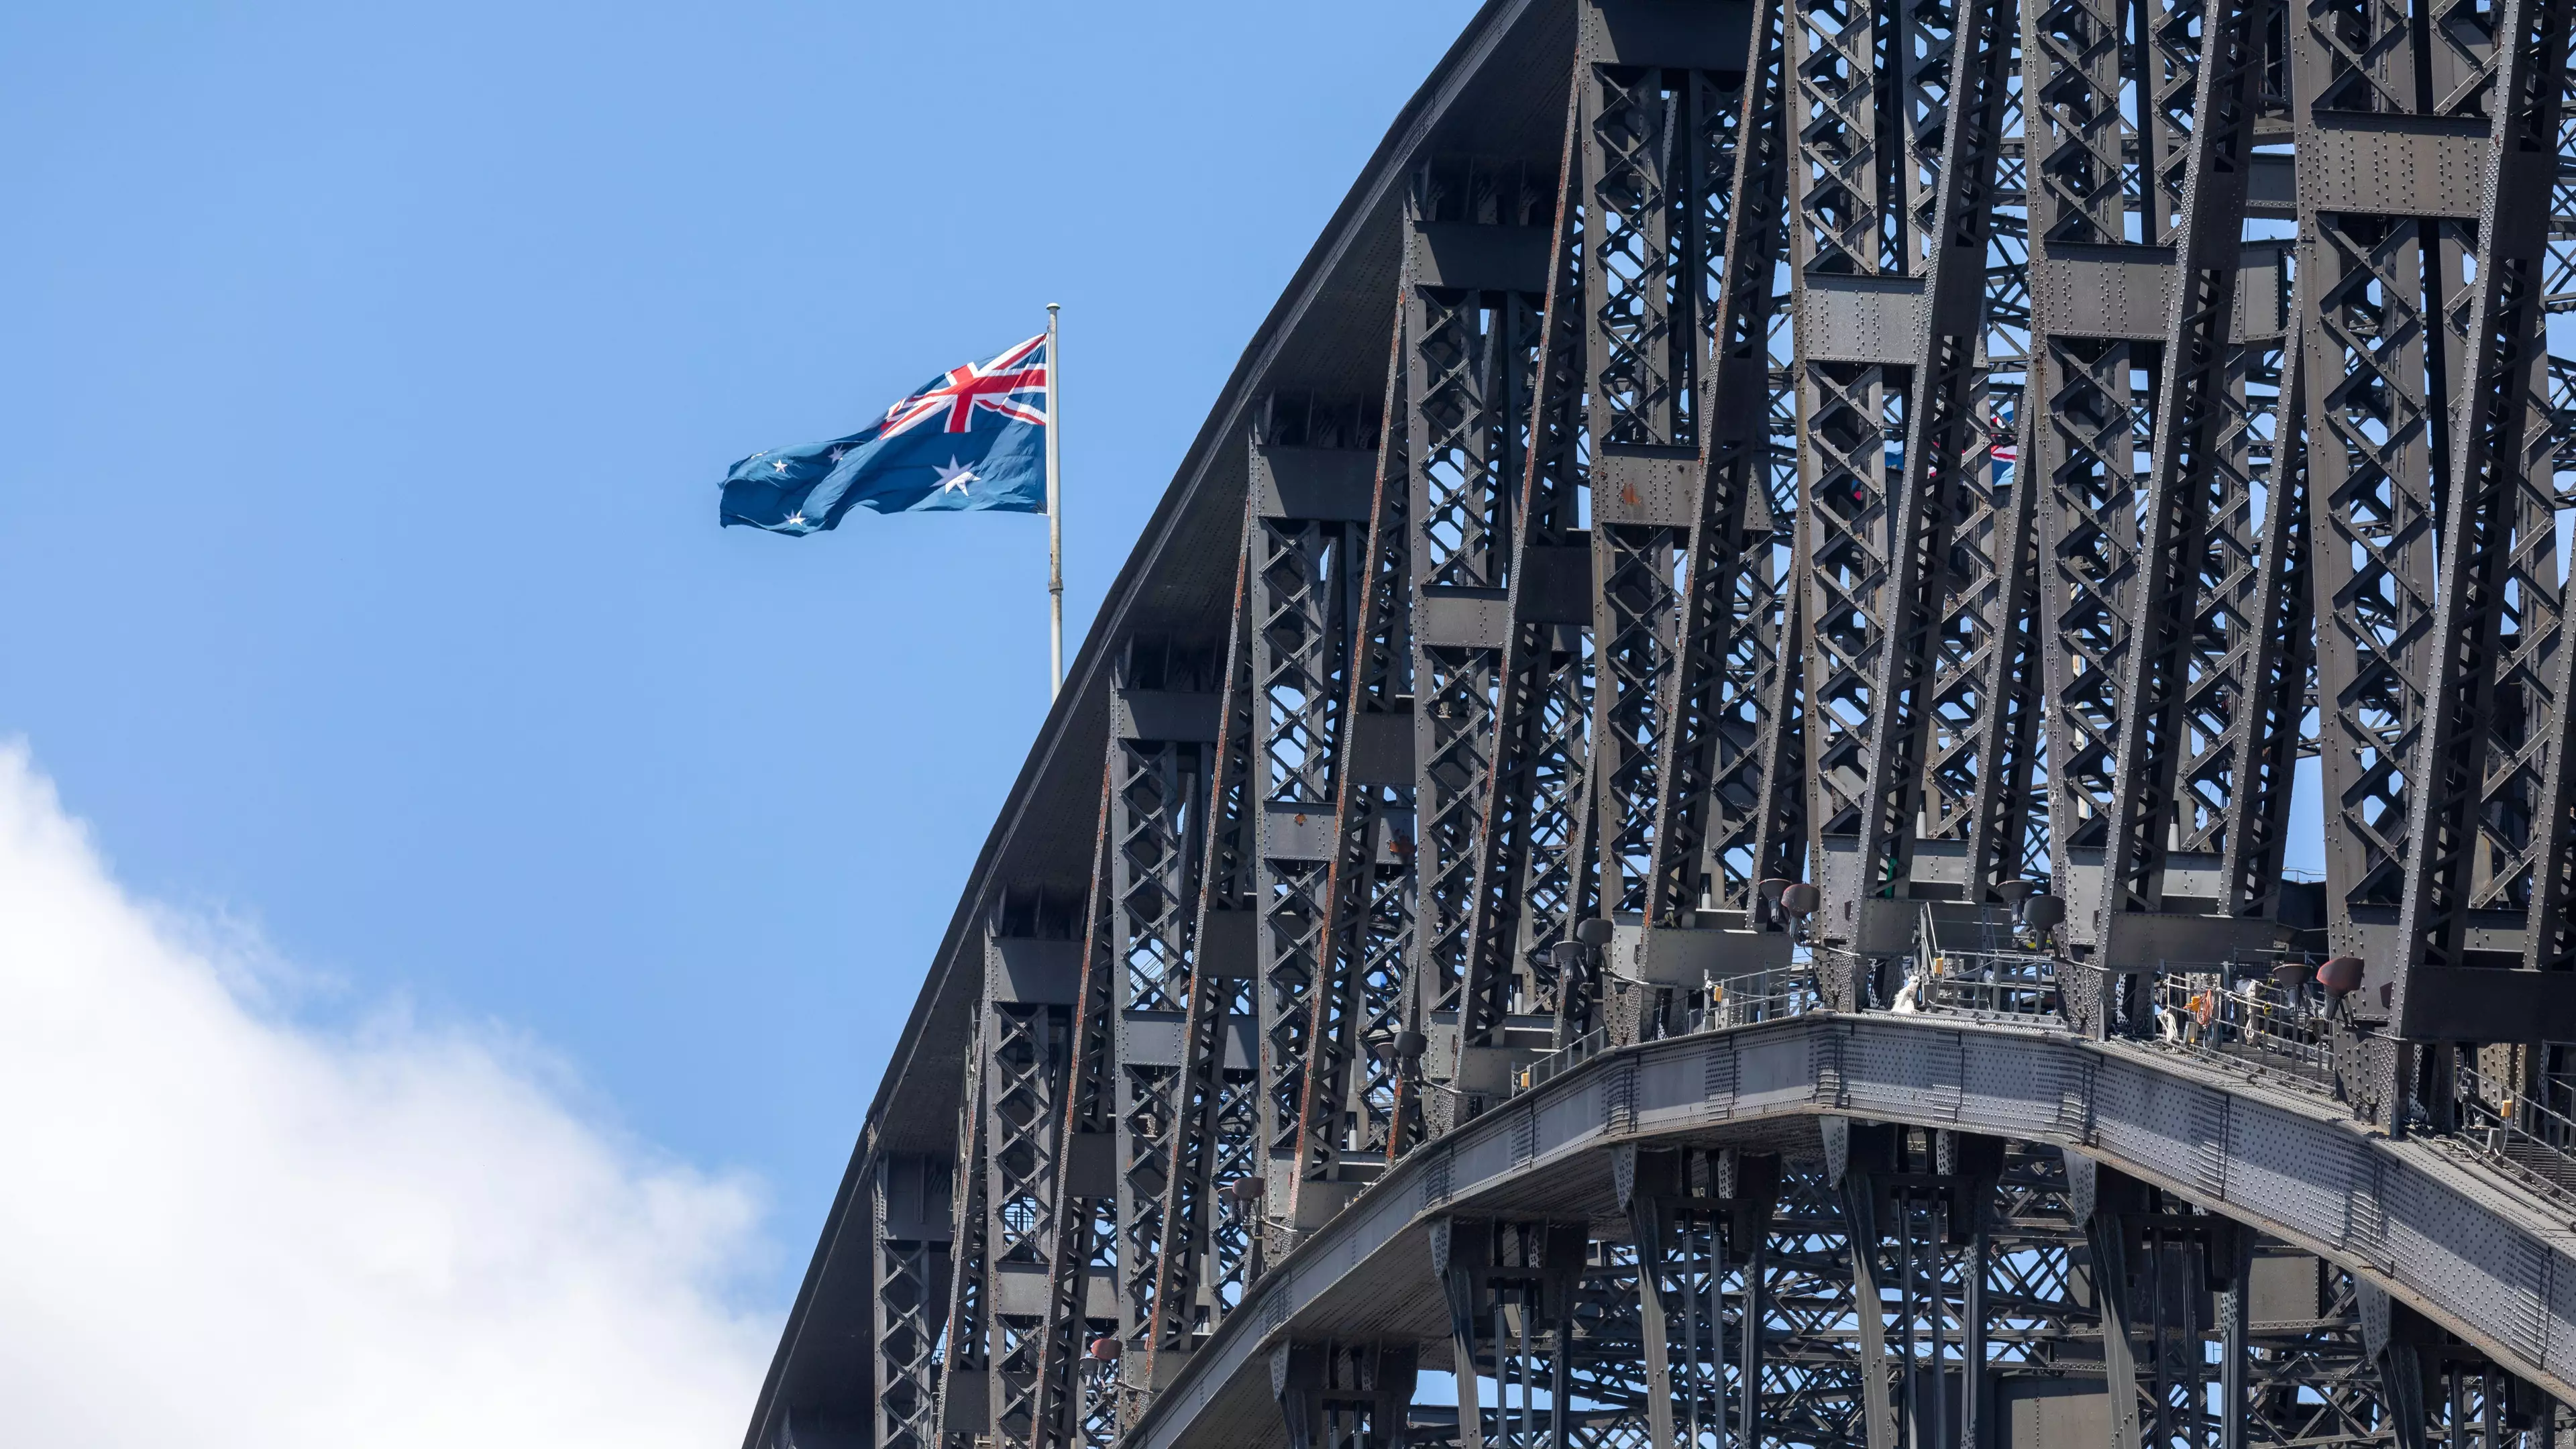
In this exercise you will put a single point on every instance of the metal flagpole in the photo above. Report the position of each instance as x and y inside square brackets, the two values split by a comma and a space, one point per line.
[1055, 508]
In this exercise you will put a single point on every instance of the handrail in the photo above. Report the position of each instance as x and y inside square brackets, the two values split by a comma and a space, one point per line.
[2254, 1023]
[1565, 1058]
[2494, 1120]
[2020, 985]
[1766, 995]
[2216, 1013]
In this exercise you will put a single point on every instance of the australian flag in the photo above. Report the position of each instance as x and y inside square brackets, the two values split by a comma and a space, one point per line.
[973, 437]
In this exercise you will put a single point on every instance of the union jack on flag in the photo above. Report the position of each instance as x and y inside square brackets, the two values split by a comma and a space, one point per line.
[995, 386]
[972, 438]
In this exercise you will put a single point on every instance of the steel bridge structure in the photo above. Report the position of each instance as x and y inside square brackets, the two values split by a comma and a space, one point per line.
[1675, 833]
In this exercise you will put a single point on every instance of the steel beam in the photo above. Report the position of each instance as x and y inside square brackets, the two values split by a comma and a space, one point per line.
[1084, 1216]
[1350, 1112]
[1534, 872]
[1478, 240]
[1310, 567]
[1510, 1288]
[1342, 1395]
[909, 1198]
[1678, 138]
[1914, 583]
[1203, 1255]
[2476, 766]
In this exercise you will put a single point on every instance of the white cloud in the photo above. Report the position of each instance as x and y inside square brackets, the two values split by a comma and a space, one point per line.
[218, 1228]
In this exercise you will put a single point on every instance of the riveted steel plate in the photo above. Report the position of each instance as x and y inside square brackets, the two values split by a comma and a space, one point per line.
[1861, 319]
[2105, 291]
[1638, 487]
[2393, 165]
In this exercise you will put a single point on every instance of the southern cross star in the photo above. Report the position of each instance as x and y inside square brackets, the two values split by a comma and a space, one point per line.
[795, 520]
[780, 465]
[953, 478]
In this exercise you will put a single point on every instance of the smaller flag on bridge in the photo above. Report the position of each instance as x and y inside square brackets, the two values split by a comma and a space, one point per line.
[972, 438]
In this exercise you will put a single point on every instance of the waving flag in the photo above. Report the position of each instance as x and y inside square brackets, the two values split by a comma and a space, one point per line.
[972, 438]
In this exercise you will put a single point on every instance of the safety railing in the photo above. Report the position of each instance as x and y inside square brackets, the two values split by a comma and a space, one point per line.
[2516, 1132]
[1770, 995]
[1562, 1060]
[2013, 985]
[2265, 1013]
[2248, 1022]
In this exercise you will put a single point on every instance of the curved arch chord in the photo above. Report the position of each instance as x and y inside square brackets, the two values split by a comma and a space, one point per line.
[2425, 1256]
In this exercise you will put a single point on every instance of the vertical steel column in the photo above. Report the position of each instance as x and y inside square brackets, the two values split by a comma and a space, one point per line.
[1534, 872]
[1946, 456]
[1164, 709]
[2435, 569]
[1974, 1349]
[909, 1195]
[2260, 749]
[1859, 1196]
[1350, 1100]
[1717, 823]
[1644, 161]
[2107, 1235]
[1510, 1288]
[1711, 803]
[965, 1411]
[1476, 250]
[1204, 1257]
[1912, 572]
[2156, 1268]
[1753, 1320]
[1313, 466]
[1031, 982]
[1686, 1210]
[2088, 424]
[2467, 842]
[2169, 777]
[1915, 1205]
[1851, 281]
[1681, 154]
[1081, 1201]
[2235, 1340]
[1648, 1223]
[2190, 542]
[1343, 1396]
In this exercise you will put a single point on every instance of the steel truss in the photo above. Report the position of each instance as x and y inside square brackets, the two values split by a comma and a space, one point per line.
[1894, 459]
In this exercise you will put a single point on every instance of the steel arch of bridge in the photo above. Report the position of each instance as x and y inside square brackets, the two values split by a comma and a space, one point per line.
[1938, 453]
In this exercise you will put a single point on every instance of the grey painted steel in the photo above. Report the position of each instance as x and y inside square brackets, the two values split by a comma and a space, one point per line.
[1362, 800]
[1201, 1258]
[1348, 1104]
[2481, 1260]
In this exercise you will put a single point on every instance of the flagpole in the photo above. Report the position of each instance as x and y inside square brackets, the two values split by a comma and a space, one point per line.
[1055, 510]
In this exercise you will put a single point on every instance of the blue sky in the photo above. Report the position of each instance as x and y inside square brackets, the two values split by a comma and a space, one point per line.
[371, 372]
